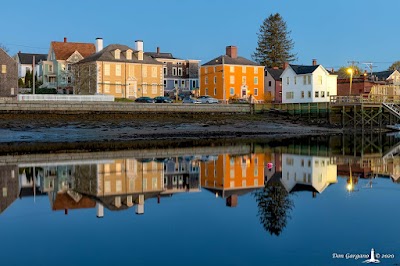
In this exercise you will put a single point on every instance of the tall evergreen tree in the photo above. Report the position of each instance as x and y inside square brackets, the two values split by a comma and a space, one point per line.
[274, 43]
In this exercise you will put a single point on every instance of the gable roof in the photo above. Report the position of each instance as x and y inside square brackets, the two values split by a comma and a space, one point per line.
[275, 73]
[301, 70]
[231, 61]
[383, 75]
[107, 55]
[160, 55]
[27, 58]
[63, 50]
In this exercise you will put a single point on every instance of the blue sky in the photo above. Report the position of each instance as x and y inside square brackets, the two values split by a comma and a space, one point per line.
[333, 32]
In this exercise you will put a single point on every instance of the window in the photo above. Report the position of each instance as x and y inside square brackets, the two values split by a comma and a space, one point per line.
[309, 163]
[183, 83]
[153, 72]
[50, 68]
[180, 71]
[144, 88]
[316, 94]
[193, 84]
[243, 69]
[215, 80]
[289, 95]
[255, 92]
[232, 79]
[4, 188]
[231, 69]
[154, 88]
[320, 80]
[304, 80]
[302, 162]
[243, 80]
[206, 90]
[129, 54]
[106, 69]
[295, 80]
[69, 67]
[255, 81]
[302, 94]
[106, 86]
[269, 83]
[206, 80]
[117, 54]
[309, 94]
[165, 83]
[215, 91]
[205, 70]
[322, 94]
[327, 94]
[165, 70]
[118, 70]
[287, 80]
[175, 83]
[232, 91]
[309, 79]
[256, 70]
[289, 161]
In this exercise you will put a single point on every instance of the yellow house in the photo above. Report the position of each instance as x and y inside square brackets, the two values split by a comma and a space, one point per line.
[120, 71]
[231, 76]
[230, 175]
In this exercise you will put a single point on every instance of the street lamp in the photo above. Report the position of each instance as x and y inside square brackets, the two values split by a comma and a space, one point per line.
[350, 71]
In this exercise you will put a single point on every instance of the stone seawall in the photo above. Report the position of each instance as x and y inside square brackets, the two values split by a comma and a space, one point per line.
[118, 107]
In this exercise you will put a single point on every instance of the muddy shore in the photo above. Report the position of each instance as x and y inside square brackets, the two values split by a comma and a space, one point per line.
[25, 133]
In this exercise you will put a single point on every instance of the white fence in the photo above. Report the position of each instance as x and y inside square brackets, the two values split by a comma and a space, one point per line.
[65, 98]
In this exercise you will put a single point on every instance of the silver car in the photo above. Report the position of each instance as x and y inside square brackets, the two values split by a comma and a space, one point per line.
[190, 100]
[207, 99]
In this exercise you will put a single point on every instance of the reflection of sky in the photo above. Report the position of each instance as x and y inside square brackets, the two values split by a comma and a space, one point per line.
[197, 229]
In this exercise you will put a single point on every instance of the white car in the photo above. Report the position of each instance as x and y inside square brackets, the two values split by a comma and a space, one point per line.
[207, 99]
[190, 100]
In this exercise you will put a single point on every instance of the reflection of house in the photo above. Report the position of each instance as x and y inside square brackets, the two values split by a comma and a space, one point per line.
[8, 186]
[178, 73]
[120, 71]
[181, 175]
[231, 176]
[307, 173]
[31, 182]
[120, 184]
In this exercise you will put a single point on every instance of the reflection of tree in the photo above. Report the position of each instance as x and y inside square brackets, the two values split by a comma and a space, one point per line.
[274, 205]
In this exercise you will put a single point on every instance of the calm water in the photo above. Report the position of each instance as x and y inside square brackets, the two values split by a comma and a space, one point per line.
[297, 202]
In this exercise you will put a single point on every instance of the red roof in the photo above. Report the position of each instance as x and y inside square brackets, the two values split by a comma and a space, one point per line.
[63, 50]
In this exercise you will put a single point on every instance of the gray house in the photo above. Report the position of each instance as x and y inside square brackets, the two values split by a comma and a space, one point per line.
[8, 75]
[178, 73]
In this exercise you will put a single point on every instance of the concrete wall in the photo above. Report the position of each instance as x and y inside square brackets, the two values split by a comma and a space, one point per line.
[118, 107]
[65, 98]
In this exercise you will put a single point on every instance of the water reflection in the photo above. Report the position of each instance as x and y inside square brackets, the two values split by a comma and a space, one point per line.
[119, 181]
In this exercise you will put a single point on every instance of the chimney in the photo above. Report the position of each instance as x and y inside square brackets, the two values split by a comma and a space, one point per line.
[100, 210]
[65, 39]
[285, 65]
[139, 49]
[158, 50]
[99, 44]
[314, 62]
[231, 51]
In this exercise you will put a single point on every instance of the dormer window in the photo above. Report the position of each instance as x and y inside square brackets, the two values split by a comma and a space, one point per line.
[129, 54]
[117, 54]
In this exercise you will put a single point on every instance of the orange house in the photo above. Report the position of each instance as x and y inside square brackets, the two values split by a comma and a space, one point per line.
[231, 76]
[231, 175]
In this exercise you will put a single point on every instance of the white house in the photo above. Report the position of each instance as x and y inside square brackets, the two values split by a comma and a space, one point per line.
[25, 63]
[307, 84]
[309, 173]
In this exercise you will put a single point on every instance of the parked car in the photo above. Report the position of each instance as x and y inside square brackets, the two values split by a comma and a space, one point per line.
[190, 100]
[144, 100]
[162, 99]
[207, 99]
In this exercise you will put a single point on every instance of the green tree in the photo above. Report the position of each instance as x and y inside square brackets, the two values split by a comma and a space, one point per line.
[274, 43]
[343, 72]
[274, 206]
[395, 66]
[28, 79]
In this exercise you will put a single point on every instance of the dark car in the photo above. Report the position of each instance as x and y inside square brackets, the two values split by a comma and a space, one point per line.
[144, 100]
[161, 99]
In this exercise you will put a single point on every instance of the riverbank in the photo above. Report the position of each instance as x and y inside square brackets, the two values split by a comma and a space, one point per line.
[21, 131]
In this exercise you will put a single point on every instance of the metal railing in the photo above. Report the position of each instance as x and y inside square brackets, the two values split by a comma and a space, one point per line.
[364, 99]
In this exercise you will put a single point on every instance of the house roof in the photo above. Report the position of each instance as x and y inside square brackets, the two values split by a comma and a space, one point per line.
[26, 58]
[383, 75]
[275, 73]
[63, 50]
[231, 61]
[160, 55]
[301, 70]
[64, 201]
[107, 55]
